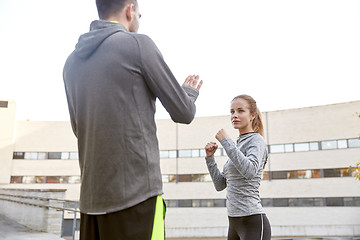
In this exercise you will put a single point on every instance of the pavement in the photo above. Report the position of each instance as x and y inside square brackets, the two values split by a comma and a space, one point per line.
[11, 230]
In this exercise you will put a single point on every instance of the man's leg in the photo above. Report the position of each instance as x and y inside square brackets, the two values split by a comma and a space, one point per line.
[134, 223]
[158, 232]
[88, 227]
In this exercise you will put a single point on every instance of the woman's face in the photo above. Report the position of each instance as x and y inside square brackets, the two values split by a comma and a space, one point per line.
[241, 118]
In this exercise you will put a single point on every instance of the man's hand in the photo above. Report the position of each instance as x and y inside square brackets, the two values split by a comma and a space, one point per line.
[210, 149]
[192, 81]
[221, 135]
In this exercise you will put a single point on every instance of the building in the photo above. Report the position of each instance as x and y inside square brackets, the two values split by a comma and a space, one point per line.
[307, 190]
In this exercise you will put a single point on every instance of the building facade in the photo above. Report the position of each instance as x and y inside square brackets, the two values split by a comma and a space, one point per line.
[308, 189]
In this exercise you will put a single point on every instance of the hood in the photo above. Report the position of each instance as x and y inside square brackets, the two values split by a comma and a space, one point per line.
[99, 31]
[245, 136]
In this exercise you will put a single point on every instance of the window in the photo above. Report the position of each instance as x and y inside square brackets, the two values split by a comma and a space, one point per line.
[172, 154]
[335, 201]
[29, 179]
[291, 174]
[184, 153]
[51, 179]
[206, 203]
[306, 202]
[171, 203]
[301, 147]
[219, 203]
[280, 202]
[293, 202]
[304, 174]
[64, 179]
[16, 179]
[328, 145]
[356, 201]
[31, 155]
[184, 177]
[74, 155]
[355, 142]
[314, 146]
[352, 201]
[331, 172]
[277, 148]
[205, 178]
[279, 175]
[345, 172]
[195, 153]
[165, 178]
[202, 153]
[196, 177]
[316, 173]
[318, 202]
[289, 147]
[39, 179]
[54, 155]
[348, 201]
[18, 155]
[42, 155]
[4, 104]
[266, 175]
[164, 154]
[65, 155]
[342, 143]
[74, 179]
[196, 203]
[185, 203]
[266, 202]
[172, 178]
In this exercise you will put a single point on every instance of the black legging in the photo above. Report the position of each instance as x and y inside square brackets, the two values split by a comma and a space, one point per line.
[253, 227]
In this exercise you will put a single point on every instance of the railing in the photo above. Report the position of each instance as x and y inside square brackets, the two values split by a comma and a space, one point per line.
[29, 197]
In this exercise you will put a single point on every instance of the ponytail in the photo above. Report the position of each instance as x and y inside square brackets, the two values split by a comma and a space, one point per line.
[257, 123]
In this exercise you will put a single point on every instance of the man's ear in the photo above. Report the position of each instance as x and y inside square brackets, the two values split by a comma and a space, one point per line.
[129, 9]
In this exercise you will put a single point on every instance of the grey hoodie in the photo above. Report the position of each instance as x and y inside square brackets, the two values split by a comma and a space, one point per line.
[242, 174]
[112, 80]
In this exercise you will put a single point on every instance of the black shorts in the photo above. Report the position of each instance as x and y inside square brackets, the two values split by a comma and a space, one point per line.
[253, 227]
[140, 222]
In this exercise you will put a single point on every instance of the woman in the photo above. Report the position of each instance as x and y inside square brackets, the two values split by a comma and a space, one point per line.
[242, 172]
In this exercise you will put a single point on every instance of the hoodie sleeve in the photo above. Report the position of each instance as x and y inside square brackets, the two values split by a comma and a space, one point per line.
[217, 177]
[248, 165]
[179, 101]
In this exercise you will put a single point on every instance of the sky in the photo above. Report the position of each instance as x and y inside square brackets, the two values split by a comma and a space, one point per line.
[285, 53]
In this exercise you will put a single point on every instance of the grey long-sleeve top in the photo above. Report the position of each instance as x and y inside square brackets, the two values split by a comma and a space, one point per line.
[241, 174]
[112, 80]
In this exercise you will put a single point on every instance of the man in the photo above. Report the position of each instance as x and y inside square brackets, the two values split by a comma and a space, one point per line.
[112, 80]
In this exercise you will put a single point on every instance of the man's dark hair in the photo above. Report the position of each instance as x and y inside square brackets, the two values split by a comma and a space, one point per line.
[107, 8]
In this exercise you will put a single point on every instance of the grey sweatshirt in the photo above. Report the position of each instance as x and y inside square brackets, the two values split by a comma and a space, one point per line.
[242, 174]
[112, 80]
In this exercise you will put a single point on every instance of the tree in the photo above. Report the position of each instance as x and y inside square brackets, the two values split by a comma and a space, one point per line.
[357, 167]
[357, 170]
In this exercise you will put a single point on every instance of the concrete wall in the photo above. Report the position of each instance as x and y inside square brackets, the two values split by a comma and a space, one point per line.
[285, 222]
[7, 131]
[44, 137]
[335, 121]
[29, 209]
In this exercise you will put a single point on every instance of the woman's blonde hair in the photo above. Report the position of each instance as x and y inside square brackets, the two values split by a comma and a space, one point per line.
[257, 122]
